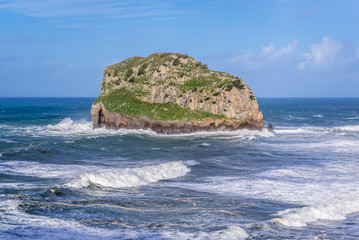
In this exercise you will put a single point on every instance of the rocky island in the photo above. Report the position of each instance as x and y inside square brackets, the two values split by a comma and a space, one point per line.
[172, 93]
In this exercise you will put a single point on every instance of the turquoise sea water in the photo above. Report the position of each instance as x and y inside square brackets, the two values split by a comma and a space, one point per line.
[61, 179]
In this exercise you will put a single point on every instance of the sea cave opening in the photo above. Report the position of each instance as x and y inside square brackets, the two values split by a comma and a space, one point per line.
[101, 118]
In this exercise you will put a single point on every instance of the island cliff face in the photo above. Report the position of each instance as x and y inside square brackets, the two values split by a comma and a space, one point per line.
[171, 93]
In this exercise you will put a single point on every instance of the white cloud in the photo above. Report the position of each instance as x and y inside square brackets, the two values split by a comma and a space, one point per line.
[288, 50]
[246, 60]
[322, 54]
[326, 51]
[307, 57]
[269, 57]
[268, 49]
[327, 55]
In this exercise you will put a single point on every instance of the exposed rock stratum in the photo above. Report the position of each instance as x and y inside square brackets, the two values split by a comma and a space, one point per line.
[172, 93]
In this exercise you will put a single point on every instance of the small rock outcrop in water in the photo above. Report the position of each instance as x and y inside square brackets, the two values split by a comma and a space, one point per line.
[172, 93]
[270, 127]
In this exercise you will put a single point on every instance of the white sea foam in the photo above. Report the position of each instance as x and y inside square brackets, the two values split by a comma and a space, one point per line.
[39, 170]
[70, 128]
[294, 130]
[230, 233]
[318, 116]
[354, 128]
[242, 134]
[64, 125]
[67, 127]
[130, 177]
[329, 192]
[335, 139]
[336, 145]
[338, 209]
[42, 170]
[316, 130]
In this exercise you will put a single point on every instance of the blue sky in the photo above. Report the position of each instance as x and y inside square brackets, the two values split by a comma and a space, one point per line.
[281, 48]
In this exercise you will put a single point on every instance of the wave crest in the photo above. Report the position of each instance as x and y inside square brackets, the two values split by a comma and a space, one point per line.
[130, 177]
[300, 217]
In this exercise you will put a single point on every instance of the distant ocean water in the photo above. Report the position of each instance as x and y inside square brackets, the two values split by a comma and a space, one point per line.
[61, 179]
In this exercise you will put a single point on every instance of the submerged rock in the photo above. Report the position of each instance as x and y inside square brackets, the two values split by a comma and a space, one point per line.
[172, 93]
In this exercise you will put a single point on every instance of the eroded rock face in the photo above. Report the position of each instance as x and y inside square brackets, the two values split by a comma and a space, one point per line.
[113, 120]
[173, 93]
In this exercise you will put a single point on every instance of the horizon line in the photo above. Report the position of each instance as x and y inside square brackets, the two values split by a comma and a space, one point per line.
[96, 97]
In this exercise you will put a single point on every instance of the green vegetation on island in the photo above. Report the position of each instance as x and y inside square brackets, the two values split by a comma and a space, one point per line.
[125, 102]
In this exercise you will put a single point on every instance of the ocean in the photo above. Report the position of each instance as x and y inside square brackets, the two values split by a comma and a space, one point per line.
[61, 179]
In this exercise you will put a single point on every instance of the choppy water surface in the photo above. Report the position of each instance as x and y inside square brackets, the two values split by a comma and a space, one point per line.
[59, 178]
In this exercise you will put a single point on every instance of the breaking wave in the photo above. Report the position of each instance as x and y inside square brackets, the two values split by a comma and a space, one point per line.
[336, 210]
[70, 128]
[130, 177]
